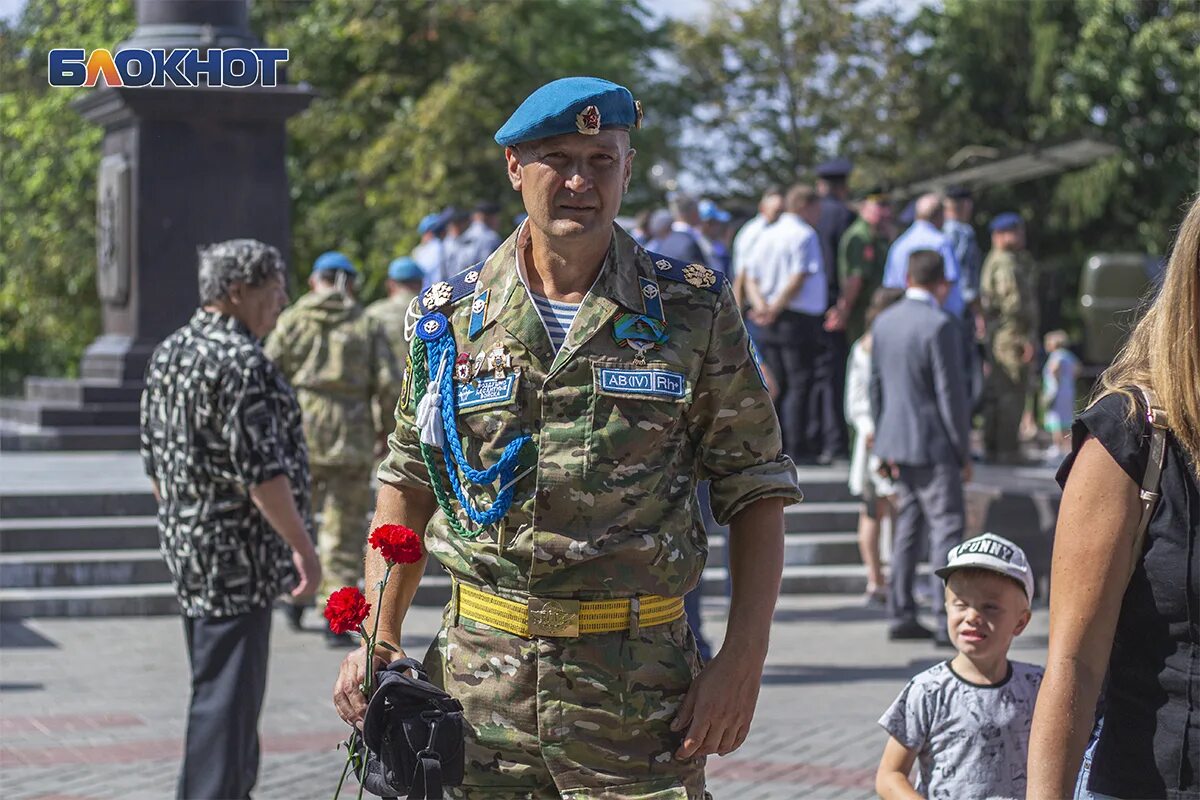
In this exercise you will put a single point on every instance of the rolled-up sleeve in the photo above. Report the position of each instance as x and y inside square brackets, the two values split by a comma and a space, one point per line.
[253, 423]
[739, 444]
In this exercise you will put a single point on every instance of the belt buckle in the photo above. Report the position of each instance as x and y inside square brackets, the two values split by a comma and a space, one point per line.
[553, 617]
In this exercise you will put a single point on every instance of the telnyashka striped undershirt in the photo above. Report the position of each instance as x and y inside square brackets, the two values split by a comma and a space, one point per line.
[556, 316]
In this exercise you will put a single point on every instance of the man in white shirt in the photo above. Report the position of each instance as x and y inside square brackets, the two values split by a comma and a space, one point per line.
[748, 238]
[788, 293]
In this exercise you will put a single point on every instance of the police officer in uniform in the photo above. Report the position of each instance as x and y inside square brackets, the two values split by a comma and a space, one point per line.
[594, 382]
[1008, 289]
[339, 362]
[827, 420]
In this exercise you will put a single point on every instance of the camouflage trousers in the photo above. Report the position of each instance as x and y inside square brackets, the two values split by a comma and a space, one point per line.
[1004, 405]
[341, 495]
[573, 718]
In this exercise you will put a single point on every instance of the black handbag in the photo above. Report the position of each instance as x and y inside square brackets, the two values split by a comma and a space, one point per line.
[414, 736]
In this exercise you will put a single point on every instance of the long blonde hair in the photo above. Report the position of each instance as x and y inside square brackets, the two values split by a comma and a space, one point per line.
[1163, 351]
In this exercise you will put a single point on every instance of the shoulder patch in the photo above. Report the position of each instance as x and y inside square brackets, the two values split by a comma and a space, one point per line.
[449, 292]
[697, 275]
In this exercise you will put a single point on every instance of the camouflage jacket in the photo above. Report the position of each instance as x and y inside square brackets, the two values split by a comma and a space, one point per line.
[389, 312]
[339, 361]
[609, 508]
[1008, 290]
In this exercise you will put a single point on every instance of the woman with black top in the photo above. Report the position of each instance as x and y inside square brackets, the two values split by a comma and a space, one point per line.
[1141, 632]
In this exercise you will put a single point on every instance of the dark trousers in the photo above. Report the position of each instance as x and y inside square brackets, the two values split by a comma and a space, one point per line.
[229, 680]
[827, 403]
[928, 500]
[790, 346]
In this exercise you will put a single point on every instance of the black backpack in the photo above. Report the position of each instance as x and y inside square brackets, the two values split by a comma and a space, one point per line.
[414, 736]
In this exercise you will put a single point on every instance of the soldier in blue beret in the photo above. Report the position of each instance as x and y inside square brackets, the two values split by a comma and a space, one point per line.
[564, 396]
[333, 261]
[1008, 290]
[430, 254]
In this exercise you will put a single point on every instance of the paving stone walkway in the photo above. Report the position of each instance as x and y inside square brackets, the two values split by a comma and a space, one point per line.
[95, 708]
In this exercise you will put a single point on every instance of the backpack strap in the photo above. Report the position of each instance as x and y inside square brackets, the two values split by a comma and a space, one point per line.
[1149, 493]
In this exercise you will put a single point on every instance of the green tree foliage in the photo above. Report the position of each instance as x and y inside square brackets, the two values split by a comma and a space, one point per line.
[781, 85]
[1008, 75]
[411, 92]
[48, 161]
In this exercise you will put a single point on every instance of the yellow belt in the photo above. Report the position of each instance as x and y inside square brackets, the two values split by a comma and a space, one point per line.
[559, 617]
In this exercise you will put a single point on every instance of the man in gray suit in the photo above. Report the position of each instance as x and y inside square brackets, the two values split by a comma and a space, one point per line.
[922, 429]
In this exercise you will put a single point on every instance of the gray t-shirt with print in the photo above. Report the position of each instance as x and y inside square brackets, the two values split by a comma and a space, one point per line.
[971, 740]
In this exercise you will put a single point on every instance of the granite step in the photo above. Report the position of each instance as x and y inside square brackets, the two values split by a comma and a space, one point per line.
[78, 533]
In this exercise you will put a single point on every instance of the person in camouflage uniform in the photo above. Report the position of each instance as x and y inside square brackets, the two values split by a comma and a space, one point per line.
[339, 361]
[403, 286]
[653, 387]
[1008, 290]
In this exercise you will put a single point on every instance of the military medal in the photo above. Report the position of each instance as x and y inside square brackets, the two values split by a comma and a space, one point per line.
[498, 361]
[462, 368]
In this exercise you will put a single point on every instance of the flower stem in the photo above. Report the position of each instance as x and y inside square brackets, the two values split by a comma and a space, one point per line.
[346, 768]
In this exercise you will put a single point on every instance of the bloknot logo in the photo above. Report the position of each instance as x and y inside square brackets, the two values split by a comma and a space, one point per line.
[236, 67]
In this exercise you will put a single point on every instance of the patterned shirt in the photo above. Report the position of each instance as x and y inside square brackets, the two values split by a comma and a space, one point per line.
[971, 740]
[216, 419]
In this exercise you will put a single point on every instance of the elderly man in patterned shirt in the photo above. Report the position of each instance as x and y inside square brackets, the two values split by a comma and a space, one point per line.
[222, 443]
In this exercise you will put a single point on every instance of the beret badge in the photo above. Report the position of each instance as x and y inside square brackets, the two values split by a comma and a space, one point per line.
[637, 120]
[587, 121]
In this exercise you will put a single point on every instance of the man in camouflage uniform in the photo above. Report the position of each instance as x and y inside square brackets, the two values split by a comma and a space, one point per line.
[1008, 290]
[403, 286]
[339, 362]
[565, 639]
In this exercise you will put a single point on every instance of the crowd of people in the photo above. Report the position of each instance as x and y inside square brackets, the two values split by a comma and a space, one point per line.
[576, 565]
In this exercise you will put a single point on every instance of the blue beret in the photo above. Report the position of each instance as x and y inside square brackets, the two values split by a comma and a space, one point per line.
[332, 261]
[404, 268]
[837, 168]
[1006, 221]
[571, 105]
[710, 211]
[430, 222]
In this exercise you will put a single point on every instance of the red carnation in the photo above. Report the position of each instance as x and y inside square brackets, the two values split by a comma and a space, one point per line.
[397, 544]
[346, 610]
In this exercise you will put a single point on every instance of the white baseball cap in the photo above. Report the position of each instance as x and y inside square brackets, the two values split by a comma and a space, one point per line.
[994, 553]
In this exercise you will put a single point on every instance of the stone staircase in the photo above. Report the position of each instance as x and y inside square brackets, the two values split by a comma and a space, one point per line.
[63, 414]
[94, 551]
[821, 541]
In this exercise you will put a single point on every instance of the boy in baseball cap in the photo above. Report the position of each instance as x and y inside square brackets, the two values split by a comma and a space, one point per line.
[966, 721]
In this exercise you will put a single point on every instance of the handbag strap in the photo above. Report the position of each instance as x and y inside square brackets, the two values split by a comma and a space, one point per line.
[1149, 493]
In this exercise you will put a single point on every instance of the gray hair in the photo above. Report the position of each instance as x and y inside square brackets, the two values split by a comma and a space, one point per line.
[246, 261]
[683, 205]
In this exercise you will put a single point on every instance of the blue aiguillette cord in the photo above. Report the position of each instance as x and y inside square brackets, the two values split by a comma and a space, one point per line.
[437, 349]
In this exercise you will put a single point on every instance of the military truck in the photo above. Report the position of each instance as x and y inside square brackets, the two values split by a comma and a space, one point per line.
[1112, 288]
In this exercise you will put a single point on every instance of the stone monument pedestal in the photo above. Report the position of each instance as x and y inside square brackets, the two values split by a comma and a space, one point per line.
[180, 168]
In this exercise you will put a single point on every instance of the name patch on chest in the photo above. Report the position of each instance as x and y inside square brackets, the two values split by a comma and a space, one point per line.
[657, 383]
[487, 392]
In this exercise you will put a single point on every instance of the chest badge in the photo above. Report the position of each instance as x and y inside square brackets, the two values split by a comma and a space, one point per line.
[639, 333]
[499, 361]
[462, 368]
